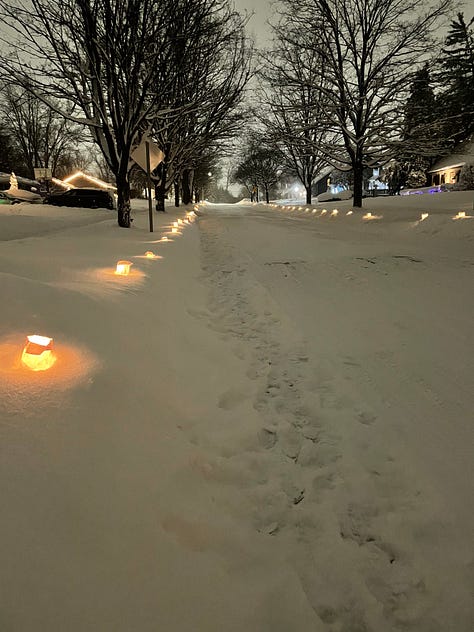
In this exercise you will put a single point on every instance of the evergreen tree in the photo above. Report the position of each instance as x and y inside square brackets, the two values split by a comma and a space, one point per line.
[422, 138]
[457, 100]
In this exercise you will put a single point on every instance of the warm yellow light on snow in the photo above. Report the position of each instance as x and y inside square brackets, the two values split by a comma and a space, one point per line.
[123, 268]
[38, 353]
[349, 212]
[369, 216]
[424, 216]
[462, 215]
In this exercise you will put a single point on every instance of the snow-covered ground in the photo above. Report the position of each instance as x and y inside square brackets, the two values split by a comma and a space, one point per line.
[267, 428]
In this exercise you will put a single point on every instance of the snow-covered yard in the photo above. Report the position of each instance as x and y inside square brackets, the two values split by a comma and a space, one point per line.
[267, 428]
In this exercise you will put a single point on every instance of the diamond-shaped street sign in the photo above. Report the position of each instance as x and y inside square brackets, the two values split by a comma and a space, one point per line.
[138, 155]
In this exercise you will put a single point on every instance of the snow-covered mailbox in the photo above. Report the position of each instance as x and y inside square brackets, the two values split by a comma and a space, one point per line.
[38, 353]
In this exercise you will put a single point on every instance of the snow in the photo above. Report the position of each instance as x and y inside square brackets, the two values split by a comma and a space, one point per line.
[268, 427]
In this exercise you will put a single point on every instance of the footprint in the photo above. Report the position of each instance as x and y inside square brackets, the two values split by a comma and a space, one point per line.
[366, 418]
[231, 399]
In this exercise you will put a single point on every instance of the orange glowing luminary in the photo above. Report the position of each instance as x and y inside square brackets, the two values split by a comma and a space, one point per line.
[180, 221]
[423, 216]
[174, 229]
[324, 211]
[461, 215]
[349, 212]
[149, 254]
[367, 216]
[175, 224]
[164, 238]
[334, 212]
[123, 268]
[38, 353]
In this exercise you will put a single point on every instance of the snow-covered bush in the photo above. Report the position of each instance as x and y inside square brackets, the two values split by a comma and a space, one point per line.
[416, 178]
[466, 177]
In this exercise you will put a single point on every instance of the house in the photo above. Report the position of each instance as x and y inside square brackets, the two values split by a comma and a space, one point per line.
[24, 184]
[447, 170]
[83, 180]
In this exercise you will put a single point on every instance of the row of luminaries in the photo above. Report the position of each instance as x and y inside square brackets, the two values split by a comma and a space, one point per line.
[367, 216]
[38, 354]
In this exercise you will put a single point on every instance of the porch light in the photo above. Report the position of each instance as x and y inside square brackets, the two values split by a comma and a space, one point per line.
[123, 268]
[38, 354]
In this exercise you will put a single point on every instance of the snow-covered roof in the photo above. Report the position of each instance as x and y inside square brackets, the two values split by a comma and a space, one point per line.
[464, 153]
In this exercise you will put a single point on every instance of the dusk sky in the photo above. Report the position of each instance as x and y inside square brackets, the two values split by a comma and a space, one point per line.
[261, 12]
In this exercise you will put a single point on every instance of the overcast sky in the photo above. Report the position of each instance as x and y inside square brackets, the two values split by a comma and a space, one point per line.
[261, 10]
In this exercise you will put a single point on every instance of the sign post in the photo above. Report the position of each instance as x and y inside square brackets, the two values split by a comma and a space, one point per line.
[148, 178]
[148, 156]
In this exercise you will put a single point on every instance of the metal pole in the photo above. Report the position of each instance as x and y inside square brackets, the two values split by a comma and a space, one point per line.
[148, 175]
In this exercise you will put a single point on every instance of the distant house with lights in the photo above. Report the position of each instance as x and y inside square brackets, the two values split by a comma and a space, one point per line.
[447, 170]
[24, 184]
[80, 180]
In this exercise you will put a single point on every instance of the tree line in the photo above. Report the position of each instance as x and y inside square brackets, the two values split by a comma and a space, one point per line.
[348, 85]
[172, 71]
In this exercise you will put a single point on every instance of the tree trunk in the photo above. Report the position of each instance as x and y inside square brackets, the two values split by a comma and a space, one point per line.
[160, 190]
[308, 193]
[123, 201]
[186, 186]
[358, 169]
[176, 193]
[267, 195]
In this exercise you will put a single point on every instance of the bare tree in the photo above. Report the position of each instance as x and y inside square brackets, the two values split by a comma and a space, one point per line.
[44, 138]
[295, 118]
[369, 49]
[207, 75]
[99, 59]
[259, 168]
